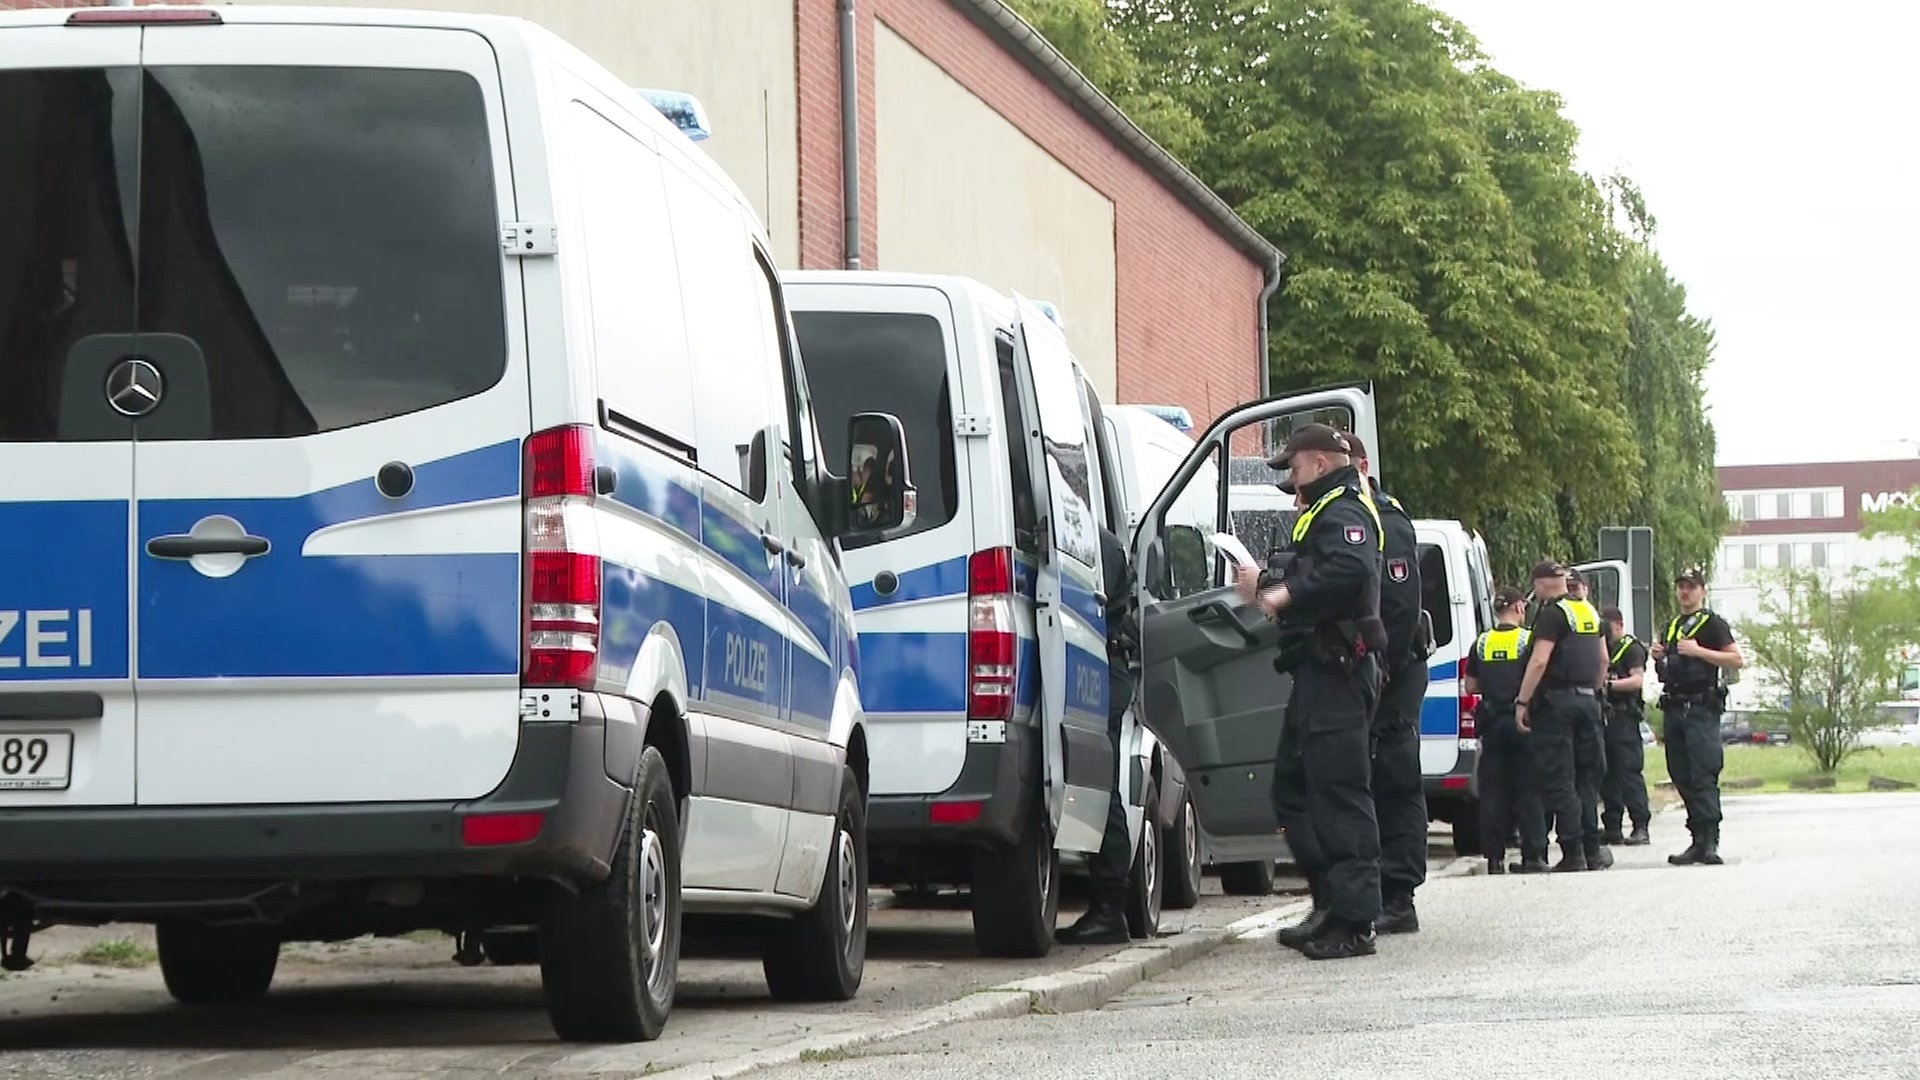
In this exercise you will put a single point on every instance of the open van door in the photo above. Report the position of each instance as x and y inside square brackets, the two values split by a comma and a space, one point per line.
[1069, 603]
[1210, 691]
[1609, 584]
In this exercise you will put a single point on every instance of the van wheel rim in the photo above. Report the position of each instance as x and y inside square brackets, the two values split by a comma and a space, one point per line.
[1190, 834]
[653, 909]
[849, 883]
[1046, 875]
[1149, 861]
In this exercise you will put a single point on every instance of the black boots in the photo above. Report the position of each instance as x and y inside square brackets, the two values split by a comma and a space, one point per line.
[1532, 863]
[1638, 837]
[1615, 837]
[1297, 935]
[1103, 924]
[1497, 866]
[1571, 862]
[1710, 850]
[1397, 917]
[1600, 858]
[1339, 940]
[1704, 841]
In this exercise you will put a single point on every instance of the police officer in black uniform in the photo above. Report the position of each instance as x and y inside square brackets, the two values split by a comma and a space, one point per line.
[1559, 700]
[1689, 658]
[1330, 600]
[1625, 785]
[1105, 922]
[1507, 789]
[1399, 790]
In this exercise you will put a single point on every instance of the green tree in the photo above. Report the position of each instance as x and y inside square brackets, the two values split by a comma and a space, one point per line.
[1833, 648]
[1902, 578]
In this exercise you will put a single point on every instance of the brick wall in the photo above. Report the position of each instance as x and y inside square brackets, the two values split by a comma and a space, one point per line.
[1185, 298]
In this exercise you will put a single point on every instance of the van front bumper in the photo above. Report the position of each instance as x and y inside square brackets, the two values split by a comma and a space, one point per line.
[74, 856]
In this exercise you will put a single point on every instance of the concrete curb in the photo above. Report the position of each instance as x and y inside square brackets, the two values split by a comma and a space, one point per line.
[1075, 990]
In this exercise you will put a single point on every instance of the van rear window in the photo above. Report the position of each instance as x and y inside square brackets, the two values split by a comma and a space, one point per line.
[327, 239]
[1435, 596]
[892, 363]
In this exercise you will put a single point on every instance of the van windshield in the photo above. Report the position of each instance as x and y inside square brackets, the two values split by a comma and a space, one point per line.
[299, 249]
[889, 363]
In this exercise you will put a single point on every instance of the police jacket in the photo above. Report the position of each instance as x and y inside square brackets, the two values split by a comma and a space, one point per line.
[1686, 675]
[1122, 620]
[1574, 628]
[1499, 664]
[1400, 581]
[1623, 657]
[1335, 575]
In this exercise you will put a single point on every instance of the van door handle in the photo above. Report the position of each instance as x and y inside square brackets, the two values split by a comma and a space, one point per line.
[1218, 614]
[185, 546]
[772, 544]
[798, 560]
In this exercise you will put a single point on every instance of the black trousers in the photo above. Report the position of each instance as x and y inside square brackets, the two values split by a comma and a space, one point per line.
[1399, 792]
[1108, 870]
[1624, 789]
[1509, 795]
[1322, 786]
[1694, 757]
[1567, 765]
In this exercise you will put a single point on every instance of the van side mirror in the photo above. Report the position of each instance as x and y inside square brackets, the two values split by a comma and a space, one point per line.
[879, 481]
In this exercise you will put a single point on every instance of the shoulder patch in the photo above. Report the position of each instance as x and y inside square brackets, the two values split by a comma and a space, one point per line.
[1397, 570]
[1355, 534]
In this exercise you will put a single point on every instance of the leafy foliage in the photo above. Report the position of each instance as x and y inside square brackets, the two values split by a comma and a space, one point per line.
[1534, 361]
[1834, 649]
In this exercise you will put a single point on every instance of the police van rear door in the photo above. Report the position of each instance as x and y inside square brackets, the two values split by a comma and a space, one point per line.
[67, 176]
[1609, 585]
[1069, 615]
[328, 486]
[1211, 693]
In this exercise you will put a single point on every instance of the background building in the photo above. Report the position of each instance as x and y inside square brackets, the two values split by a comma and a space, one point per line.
[980, 152]
[1802, 515]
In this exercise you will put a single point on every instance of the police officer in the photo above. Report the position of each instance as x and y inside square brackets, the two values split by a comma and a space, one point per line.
[1399, 791]
[1560, 698]
[1507, 790]
[1105, 922]
[1689, 658]
[1590, 740]
[1625, 785]
[1321, 787]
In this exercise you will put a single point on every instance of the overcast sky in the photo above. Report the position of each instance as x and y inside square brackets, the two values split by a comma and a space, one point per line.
[1778, 146]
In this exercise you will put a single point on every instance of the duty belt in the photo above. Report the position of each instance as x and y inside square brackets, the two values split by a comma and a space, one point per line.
[1583, 691]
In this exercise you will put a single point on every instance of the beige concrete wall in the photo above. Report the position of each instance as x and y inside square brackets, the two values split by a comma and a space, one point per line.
[737, 56]
[963, 191]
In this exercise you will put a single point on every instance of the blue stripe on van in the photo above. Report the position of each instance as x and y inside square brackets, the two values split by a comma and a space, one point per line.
[59, 559]
[921, 583]
[914, 673]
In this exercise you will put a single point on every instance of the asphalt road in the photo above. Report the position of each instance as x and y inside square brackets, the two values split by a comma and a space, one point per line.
[369, 1010]
[1801, 958]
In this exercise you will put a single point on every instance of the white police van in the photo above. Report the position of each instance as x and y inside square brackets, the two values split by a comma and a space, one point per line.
[412, 515]
[982, 629]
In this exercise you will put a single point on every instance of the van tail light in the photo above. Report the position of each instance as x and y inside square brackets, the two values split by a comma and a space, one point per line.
[561, 579]
[140, 16]
[992, 641]
[1469, 705]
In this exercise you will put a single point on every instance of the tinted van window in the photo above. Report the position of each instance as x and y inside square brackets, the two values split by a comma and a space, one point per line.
[893, 363]
[1434, 595]
[67, 164]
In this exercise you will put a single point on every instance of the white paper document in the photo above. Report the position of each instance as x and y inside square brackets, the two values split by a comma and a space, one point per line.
[1232, 548]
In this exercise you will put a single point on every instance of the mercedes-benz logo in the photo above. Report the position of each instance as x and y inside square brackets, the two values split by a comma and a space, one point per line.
[134, 387]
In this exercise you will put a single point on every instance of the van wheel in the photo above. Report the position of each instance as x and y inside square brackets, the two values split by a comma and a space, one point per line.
[1247, 878]
[610, 953]
[217, 965]
[1145, 883]
[821, 955]
[1016, 892]
[1182, 863]
[511, 948]
[1466, 830]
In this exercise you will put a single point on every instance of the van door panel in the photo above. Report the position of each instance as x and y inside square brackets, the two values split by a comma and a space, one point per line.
[328, 312]
[68, 159]
[1071, 623]
[1212, 695]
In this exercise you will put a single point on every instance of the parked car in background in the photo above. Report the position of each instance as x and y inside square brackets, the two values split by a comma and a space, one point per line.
[1901, 726]
[1742, 727]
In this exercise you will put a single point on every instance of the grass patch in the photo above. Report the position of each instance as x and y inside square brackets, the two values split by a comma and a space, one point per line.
[117, 953]
[1778, 766]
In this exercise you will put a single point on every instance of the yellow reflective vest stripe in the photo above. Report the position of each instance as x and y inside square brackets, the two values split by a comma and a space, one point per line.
[1581, 616]
[1503, 644]
[1305, 520]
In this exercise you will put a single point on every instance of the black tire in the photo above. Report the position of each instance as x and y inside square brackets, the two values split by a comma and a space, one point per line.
[1181, 846]
[217, 965]
[1247, 878]
[1466, 830]
[1016, 892]
[1146, 882]
[822, 955]
[610, 954]
[511, 948]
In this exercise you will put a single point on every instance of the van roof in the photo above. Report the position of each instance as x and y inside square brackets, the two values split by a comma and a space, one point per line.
[536, 39]
[971, 289]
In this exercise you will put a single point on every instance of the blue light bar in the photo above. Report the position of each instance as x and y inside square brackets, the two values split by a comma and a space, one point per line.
[683, 109]
[1048, 309]
[1181, 419]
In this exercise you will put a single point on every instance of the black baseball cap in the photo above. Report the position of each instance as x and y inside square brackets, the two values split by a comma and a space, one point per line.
[1547, 568]
[1507, 597]
[1696, 575]
[1310, 437]
[1574, 578]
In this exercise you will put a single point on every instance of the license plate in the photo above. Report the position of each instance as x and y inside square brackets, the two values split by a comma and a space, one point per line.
[36, 760]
